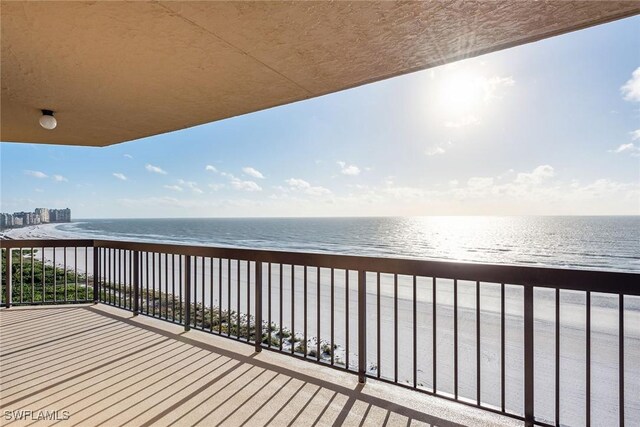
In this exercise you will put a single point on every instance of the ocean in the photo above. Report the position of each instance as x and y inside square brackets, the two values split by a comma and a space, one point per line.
[601, 243]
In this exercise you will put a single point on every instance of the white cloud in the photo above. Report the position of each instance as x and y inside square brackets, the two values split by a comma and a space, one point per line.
[38, 190]
[35, 174]
[538, 175]
[239, 184]
[173, 187]
[351, 170]
[462, 122]
[301, 185]
[120, 176]
[216, 187]
[128, 156]
[211, 168]
[191, 185]
[59, 178]
[629, 148]
[252, 172]
[635, 134]
[155, 169]
[434, 151]
[631, 89]
[480, 182]
[492, 85]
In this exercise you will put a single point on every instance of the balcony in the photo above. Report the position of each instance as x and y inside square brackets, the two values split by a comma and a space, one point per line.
[400, 341]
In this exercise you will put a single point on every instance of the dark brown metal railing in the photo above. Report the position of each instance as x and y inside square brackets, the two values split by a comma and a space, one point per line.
[245, 295]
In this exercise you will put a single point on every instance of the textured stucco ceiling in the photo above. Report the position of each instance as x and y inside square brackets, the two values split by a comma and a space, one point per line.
[116, 71]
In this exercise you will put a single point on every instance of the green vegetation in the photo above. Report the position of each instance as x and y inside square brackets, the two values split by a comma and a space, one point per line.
[34, 282]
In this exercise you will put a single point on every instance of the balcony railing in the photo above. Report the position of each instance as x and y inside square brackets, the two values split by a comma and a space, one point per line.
[417, 324]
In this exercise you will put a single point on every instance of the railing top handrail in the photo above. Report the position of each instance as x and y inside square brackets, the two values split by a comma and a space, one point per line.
[569, 279]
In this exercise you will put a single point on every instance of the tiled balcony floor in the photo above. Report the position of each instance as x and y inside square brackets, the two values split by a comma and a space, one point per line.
[105, 367]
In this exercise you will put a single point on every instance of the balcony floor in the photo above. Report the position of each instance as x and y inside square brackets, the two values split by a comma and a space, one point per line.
[108, 368]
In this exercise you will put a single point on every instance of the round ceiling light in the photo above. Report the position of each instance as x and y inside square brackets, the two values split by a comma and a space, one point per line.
[47, 120]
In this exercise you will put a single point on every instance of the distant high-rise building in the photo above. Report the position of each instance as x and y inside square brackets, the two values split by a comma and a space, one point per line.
[43, 213]
[39, 216]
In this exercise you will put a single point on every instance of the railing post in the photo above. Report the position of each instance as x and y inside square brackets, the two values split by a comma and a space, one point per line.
[187, 292]
[136, 282]
[7, 281]
[258, 319]
[362, 326]
[96, 274]
[528, 356]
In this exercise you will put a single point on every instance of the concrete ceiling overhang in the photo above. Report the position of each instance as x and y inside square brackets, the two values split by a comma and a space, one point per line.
[118, 71]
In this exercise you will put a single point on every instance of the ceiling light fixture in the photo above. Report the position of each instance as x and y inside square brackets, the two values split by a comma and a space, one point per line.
[47, 120]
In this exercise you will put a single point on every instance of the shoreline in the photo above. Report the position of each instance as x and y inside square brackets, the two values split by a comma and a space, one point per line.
[36, 232]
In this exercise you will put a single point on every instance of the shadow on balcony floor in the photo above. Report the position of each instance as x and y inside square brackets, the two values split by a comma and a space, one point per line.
[104, 367]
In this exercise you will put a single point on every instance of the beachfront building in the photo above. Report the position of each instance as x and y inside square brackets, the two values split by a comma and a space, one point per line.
[43, 213]
[39, 216]
[102, 73]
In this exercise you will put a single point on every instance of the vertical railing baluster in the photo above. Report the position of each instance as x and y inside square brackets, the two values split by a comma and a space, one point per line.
[7, 278]
[362, 326]
[238, 299]
[119, 267]
[258, 321]
[293, 309]
[55, 297]
[22, 277]
[528, 357]
[588, 360]
[146, 270]
[203, 289]
[346, 309]
[455, 338]
[269, 305]
[55, 268]
[64, 267]
[281, 309]
[502, 349]
[379, 320]
[333, 324]
[75, 272]
[478, 374]
[153, 282]
[433, 337]
[621, 357]
[173, 287]
[180, 286]
[305, 312]
[249, 302]
[187, 292]
[229, 297]
[33, 277]
[219, 296]
[557, 354]
[44, 277]
[318, 314]
[415, 332]
[96, 274]
[86, 273]
[136, 283]
[395, 328]
[211, 294]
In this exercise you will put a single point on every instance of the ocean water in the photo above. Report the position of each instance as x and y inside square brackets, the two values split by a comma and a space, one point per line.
[602, 243]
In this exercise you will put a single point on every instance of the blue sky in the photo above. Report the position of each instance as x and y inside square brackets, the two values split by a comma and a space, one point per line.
[548, 128]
